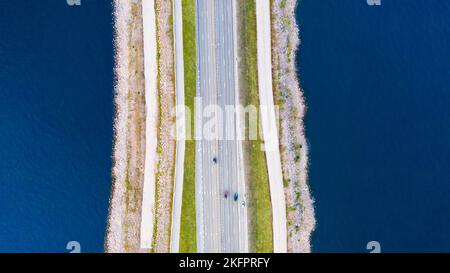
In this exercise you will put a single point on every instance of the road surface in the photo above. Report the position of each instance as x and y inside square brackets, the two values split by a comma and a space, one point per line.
[151, 98]
[221, 222]
[181, 129]
[268, 121]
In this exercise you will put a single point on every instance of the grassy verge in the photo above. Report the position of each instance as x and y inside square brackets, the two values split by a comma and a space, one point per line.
[158, 148]
[259, 205]
[188, 234]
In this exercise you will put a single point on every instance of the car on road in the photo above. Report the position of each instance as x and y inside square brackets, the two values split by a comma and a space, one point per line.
[243, 203]
[225, 194]
[235, 196]
[215, 160]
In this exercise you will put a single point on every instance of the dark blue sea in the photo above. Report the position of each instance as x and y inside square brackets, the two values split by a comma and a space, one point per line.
[56, 110]
[377, 85]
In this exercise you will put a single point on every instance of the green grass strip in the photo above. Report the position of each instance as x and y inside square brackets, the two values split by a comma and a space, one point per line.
[188, 234]
[259, 204]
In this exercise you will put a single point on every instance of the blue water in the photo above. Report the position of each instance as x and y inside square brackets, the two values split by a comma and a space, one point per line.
[56, 109]
[377, 84]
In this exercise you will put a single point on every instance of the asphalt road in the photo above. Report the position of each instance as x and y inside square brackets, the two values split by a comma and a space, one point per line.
[181, 130]
[221, 222]
[151, 97]
[268, 121]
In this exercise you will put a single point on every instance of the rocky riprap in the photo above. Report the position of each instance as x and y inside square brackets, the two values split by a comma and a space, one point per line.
[294, 149]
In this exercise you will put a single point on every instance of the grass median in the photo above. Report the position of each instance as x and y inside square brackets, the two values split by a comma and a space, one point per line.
[188, 234]
[259, 204]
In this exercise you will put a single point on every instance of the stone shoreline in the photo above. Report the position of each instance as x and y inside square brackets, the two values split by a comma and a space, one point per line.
[294, 149]
[123, 232]
[124, 220]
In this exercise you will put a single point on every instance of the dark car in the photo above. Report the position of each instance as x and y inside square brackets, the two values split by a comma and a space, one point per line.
[235, 196]
[225, 194]
[215, 160]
